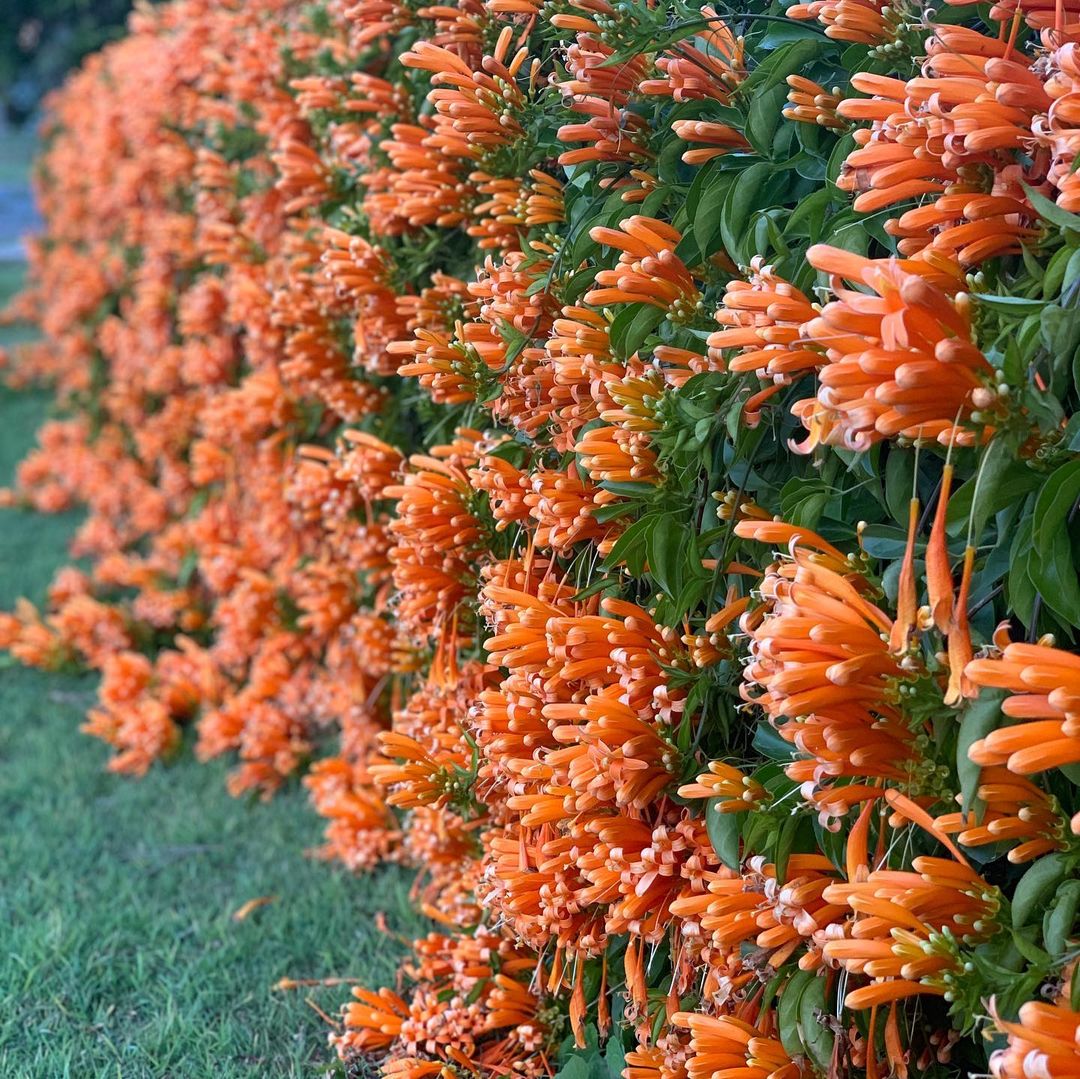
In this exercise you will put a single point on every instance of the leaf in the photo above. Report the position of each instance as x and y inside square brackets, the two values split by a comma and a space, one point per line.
[1019, 588]
[709, 210]
[1050, 211]
[807, 218]
[1060, 918]
[802, 501]
[632, 325]
[899, 477]
[765, 116]
[575, 1068]
[1030, 951]
[1035, 885]
[788, 1012]
[1004, 480]
[1056, 500]
[615, 1055]
[1060, 330]
[626, 489]
[1052, 572]
[769, 743]
[785, 843]
[886, 541]
[724, 833]
[630, 547]
[1015, 306]
[817, 1035]
[785, 61]
[669, 544]
[741, 200]
[978, 719]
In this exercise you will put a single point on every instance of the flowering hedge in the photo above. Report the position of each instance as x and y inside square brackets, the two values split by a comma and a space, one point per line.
[626, 456]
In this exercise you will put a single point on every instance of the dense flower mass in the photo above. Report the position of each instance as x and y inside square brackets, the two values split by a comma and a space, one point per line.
[624, 460]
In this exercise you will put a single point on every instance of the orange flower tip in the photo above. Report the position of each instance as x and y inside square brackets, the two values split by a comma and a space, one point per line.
[243, 911]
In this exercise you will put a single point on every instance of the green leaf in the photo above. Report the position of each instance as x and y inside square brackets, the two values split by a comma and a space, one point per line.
[1015, 306]
[709, 210]
[1036, 885]
[1004, 480]
[785, 843]
[765, 116]
[575, 1068]
[818, 1037]
[724, 833]
[742, 198]
[628, 335]
[1050, 211]
[1052, 572]
[1060, 918]
[1030, 950]
[626, 489]
[1056, 499]
[899, 478]
[769, 743]
[789, 1014]
[630, 547]
[885, 541]
[977, 720]
[669, 545]
[1019, 588]
[615, 1055]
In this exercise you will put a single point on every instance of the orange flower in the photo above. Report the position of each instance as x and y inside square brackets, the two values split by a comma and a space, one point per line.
[901, 360]
[908, 929]
[1045, 687]
[810, 103]
[1015, 812]
[970, 115]
[764, 320]
[725, 1044]
[862, 21]
[734, 791]
[821, 669]
[648, 270]
[709, 72]
[1043, 1043]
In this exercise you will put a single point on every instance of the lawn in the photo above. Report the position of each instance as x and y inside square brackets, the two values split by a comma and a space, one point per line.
[119, 956]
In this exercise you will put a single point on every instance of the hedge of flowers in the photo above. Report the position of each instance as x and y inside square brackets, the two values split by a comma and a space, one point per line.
[625, 457]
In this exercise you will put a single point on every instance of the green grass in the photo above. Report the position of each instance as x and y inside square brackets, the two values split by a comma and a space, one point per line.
[118, 954]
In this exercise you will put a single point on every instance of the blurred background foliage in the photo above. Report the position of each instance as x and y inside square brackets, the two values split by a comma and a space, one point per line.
[40, 40]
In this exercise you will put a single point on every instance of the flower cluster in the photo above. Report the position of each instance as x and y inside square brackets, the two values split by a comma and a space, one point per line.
[517, 420]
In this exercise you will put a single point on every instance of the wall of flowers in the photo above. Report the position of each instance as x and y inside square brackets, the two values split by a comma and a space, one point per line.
[624, 460]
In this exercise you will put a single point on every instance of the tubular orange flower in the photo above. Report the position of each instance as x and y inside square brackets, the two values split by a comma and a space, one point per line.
[1016, 812]
[1044, 1042]
[908, 928]
[476, 110]
[764, 319]
[436, 534]
[810, 103]
[733, 791]
[821, 669]
[727, 1045]
[902, 360]
[709, 72]
[1045, 687]
[648, 270]
[615, 455]
[717, 139]
[968, 116]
